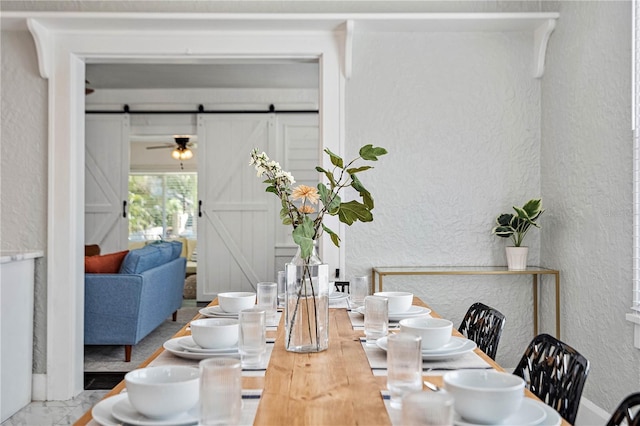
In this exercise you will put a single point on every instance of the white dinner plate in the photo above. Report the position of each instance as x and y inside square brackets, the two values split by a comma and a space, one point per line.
[553, 417]
[413, 312]
[216, 311]
[189, 344]
[173, 347]
[101, 412]
[124, 411]
[531, 413]
[454, 344]
[469, 345]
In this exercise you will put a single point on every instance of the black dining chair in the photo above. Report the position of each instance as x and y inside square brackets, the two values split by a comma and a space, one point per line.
[628, 411]
[483, 324]
[555, 373]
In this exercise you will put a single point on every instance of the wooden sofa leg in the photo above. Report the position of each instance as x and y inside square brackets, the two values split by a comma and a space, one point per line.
[175, 316]
[127, 353]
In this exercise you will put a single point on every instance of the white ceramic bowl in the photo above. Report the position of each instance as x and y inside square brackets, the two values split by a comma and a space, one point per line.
[399, 301]
[163, 392]
[235, 301]
[215, 333]
[435, 332]
[484, 396]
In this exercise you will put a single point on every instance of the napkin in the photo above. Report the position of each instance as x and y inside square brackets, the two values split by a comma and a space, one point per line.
[167, 358]
[339, 303]
[250, 402]
[395, 414]
[378, 362]
[357, 320]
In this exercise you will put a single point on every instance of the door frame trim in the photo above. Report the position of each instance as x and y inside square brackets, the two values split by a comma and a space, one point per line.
[64, 46]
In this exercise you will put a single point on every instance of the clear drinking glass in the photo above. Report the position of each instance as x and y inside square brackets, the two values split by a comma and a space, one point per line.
[252, 338]
[359, 290]
[267, 296]
[282, 287]
[376, 318]
[404, 366]
[427, 408]
[220, 391]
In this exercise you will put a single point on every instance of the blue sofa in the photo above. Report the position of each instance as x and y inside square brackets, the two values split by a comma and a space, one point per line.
[123, 308]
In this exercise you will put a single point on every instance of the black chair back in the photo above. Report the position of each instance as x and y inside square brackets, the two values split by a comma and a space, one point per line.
[483, 324]
[555, 373]
[628, 411]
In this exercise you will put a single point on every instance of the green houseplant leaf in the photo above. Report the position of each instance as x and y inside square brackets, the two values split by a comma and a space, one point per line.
[516, 226]
[371, 153]
[353, 211]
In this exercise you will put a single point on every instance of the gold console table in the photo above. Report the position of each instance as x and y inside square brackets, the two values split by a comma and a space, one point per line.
[534, 271]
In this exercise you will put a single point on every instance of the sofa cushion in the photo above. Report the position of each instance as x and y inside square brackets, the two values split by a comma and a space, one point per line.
[183, 240]
[91, 250]
[105, 264]
[148, 257]
[176, 248]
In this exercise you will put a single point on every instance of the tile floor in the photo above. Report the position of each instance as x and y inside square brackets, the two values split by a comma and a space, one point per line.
[55, 413]
[58, 413]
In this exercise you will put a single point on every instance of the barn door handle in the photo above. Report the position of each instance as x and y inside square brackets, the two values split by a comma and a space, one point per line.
[199, 208]
[124, 208]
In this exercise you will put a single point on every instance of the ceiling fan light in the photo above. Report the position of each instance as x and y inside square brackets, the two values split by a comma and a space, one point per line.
[176, 154]
[187, 154]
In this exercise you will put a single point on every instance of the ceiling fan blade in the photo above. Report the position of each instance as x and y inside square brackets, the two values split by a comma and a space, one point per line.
[161, 147]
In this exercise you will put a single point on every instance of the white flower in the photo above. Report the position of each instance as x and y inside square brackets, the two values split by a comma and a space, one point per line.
[281, 175]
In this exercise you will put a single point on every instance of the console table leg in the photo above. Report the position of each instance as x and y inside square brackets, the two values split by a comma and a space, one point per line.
[535, 305]
[557, 305]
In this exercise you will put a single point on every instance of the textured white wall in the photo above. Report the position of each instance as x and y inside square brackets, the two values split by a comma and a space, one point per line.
[586, 181]
[459, 115]
[23, 166]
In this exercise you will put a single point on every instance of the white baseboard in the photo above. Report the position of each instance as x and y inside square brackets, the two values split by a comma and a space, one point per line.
[589, 414]
[39, 387]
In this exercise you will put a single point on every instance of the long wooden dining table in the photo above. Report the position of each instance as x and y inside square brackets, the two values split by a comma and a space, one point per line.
[333, 387]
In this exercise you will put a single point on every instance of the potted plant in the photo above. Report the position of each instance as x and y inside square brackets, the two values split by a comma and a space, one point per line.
[516, 226]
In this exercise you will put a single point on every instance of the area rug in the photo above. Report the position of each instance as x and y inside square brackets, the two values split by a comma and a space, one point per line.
[110, 358]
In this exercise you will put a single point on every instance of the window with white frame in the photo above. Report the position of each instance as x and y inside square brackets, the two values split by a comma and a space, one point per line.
[162, 206]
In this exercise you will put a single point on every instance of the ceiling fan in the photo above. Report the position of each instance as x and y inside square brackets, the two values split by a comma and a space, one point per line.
[181, 147]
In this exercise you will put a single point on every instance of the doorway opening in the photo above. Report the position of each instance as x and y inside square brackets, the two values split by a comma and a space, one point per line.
[66, 46]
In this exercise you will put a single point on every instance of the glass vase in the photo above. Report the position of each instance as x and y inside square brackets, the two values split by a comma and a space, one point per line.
[307, 304]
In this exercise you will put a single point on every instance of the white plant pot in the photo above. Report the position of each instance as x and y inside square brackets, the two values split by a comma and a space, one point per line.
[517, 258]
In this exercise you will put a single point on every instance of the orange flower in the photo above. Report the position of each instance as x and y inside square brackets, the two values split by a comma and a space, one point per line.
[306, 209]
[305, 192]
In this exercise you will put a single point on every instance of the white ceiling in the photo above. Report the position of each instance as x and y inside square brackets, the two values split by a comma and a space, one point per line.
[278, 74]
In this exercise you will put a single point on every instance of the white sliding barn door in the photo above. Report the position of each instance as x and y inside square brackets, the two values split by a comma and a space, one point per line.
[106, 180]
[236, 226]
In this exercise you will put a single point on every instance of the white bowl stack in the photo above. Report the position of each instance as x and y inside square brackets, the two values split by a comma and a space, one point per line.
[215, 333]
[435, 332]
[235, 301]
[484, 396]
[163, 392]
[399, 301]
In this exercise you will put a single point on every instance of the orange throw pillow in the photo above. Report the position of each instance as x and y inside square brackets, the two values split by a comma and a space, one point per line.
[105, 264]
